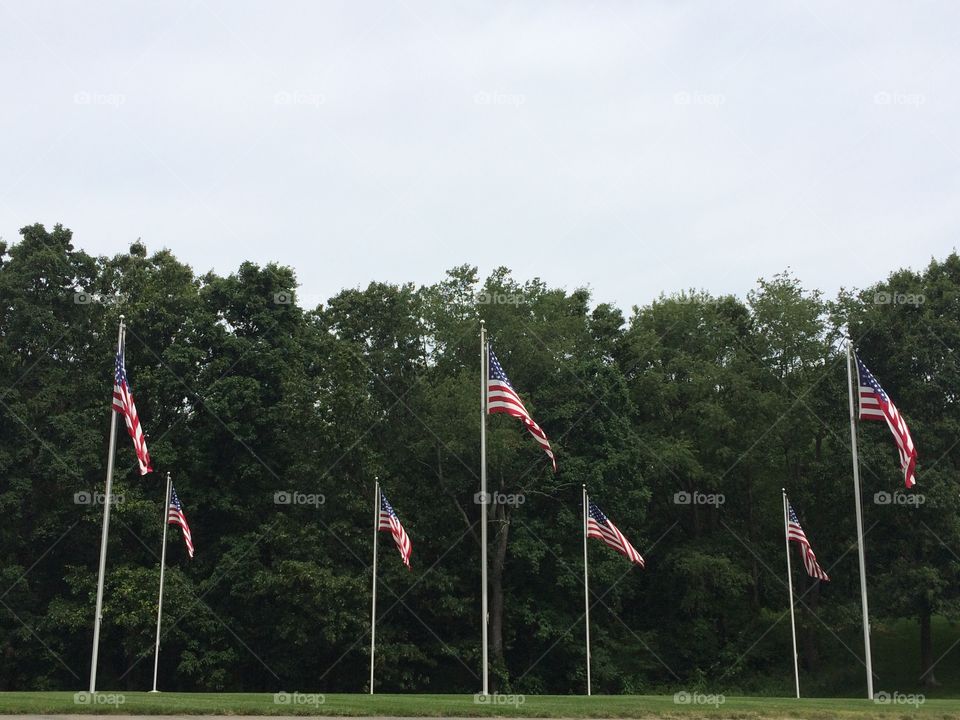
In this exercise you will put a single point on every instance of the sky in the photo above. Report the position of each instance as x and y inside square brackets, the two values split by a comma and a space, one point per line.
[630, 147]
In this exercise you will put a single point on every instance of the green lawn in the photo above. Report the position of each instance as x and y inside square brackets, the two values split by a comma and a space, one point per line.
[633, 706]
[895, 657]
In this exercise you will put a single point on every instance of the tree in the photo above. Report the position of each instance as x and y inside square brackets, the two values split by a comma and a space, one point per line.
[684, 420]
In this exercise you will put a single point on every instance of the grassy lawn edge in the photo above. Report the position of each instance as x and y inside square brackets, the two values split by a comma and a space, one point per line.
[551, 706]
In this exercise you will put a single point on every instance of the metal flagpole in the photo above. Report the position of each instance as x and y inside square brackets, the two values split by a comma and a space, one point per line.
[586, 584]
[793, 626]
[484, 374]
[106, 527]
[373, 605]
[163, 566]
[856, 494]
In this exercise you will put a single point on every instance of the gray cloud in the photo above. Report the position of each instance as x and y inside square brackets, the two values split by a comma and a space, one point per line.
[633, 148]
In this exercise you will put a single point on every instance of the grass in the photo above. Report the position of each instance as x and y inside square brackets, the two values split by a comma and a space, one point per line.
[555, 706]
[896, 661]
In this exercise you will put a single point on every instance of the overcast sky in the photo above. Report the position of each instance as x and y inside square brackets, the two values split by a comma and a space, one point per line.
[632, 147]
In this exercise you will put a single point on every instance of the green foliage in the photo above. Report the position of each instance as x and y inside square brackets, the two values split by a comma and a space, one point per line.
[246, 395]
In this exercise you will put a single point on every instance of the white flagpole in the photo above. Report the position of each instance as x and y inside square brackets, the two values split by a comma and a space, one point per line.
[793, 626]
[107, 501]
[163, 566]
[484, 370]
[856, 494]
[484, 365]
[586, 584]
[373, 604]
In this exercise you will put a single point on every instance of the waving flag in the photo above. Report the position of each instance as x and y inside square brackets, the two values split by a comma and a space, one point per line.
[389, 522]
[175, 516]
[875, 404]
[502, 398]
[795, 533]
[600, 527]
[123, 404]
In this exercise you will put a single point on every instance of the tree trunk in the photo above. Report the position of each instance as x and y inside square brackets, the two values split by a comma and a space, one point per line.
[498, 661]
[927, 677]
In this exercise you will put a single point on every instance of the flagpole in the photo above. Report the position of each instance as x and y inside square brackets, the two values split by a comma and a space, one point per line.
[586, 585]
[484, 364]
[106, 527]
[373, 604]
[163, 565]
[793, 625]
[856, 495]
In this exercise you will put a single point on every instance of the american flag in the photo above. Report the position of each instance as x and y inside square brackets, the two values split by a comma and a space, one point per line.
[875, 404]
[600, 527]
[175, 516]
[502, 398]
[795, 533]
[123, 404]
[389, 522]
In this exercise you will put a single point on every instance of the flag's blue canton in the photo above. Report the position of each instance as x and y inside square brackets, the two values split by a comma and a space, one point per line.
[387, 507]
[597, 514]
[121, 374]
[174, 500]
[496, 371]
[867, 378]
[793, 515]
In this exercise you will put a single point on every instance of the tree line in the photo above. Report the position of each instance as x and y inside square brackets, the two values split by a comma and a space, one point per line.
[684, 417]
